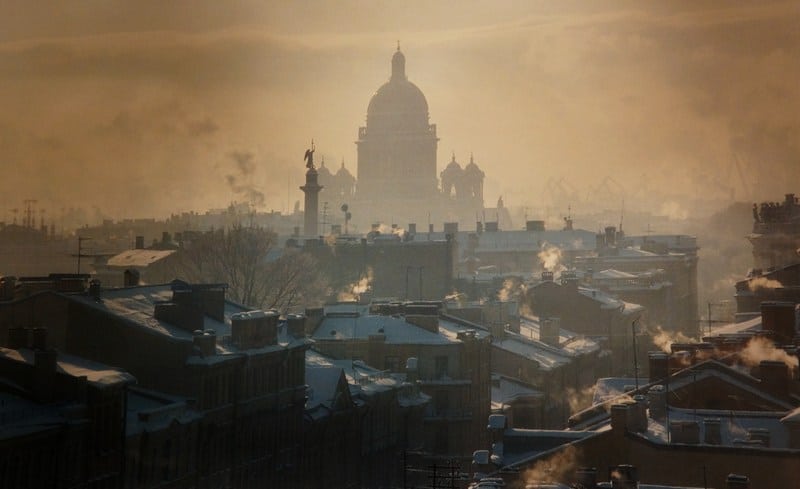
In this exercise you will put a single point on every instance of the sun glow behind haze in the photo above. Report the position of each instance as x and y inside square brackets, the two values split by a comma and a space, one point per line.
[147, 109]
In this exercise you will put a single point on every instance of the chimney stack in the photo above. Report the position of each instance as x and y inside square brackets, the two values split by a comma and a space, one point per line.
[659, 366]
[296, 325]
[139, 242]
[779, 318]
[206, 342]
[774, 377]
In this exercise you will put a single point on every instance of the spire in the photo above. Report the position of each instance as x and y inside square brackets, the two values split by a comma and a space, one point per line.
[398, 65]
[342, 162]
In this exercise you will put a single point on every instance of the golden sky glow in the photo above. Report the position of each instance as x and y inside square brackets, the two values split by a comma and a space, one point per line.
[147, 108]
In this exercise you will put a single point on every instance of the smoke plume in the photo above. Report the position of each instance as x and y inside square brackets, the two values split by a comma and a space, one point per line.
[550, 258]
[664, 339]
[759, 349]
[241, 182]
[558, 468]
[763, 283]
[353, 291]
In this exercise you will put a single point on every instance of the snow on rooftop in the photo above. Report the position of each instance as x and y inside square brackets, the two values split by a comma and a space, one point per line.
[527, 345]
[138, 258]
[137, 305]
[96, 373]
[358, 323]
[751, 325]
[735, 426]
[506, 390]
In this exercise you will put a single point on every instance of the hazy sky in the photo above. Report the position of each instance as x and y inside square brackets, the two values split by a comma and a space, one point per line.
[149, 107]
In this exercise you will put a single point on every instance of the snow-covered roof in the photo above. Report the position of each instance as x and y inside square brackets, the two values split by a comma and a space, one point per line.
[151, 411]
[749, 326]
[136, 305]
[363, 380]
[354, 321]
[138, 258]
[526, 344]
[96, 373]
[611, 273]
[506, 390]
[734, 426]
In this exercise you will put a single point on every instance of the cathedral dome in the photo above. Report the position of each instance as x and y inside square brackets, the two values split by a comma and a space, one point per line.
[398, 104]
[344, 173]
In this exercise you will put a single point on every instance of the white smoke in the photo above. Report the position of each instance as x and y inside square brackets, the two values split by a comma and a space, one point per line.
[763, 283]
[664, 339]
[760, 348]
[353, 291]
[550, 258]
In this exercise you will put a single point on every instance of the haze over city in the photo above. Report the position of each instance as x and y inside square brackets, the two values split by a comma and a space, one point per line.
[145, 109]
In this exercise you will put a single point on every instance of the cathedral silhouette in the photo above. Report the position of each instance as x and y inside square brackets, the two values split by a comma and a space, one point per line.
[397, 180]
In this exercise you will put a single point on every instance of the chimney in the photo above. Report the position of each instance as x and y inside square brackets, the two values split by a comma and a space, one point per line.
[736, 481]
[774, 377]
[39, 339]
[779, 318]
[430, 228]
[412, 228]
[412, 372]
[550, 331]
[94, 289]
[131, 277]
[498, 330]
[296, 325]
[139, 242]
[205, 341]
[619, 418]
[657, 400]
[623, 477]
[534, 225]
[569, 280]
[45, 363]
[479, 227]
[611, 234]
[314, 316]
[254, 329]
[659, 366]
[637, 414]
[451, 228]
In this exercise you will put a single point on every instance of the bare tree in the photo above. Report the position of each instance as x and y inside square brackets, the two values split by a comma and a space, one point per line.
[242, 257]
